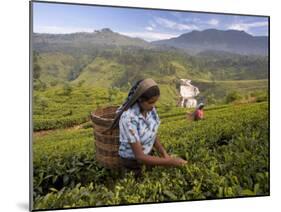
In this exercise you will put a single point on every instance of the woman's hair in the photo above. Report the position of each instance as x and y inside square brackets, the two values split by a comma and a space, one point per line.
[201, 105]
[151, 92]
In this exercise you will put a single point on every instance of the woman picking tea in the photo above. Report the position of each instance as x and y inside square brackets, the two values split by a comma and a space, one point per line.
[138, 124]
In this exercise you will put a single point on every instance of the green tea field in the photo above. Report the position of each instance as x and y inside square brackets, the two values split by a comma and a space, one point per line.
[227, 156]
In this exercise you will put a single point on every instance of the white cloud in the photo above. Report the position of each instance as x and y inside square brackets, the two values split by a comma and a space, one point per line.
[149, 28]
[149, 36]
[196, 19]
[247, 26]
[61, 30]
[238, 27]
[213, 22]
[174, 25]
[176, 14]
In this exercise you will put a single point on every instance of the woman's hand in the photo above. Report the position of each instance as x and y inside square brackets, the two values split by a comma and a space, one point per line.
[153, 160]
[166, 155]
[177, 161]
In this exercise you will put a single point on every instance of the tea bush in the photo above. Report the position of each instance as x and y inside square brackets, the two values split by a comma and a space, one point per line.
[227, 154]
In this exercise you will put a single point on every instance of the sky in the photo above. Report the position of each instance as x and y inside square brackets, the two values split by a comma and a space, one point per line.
[146, 24]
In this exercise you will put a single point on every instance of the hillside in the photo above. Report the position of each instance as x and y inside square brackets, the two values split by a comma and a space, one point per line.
[233, 41]
[83, 41]
[135, 63]
[215, 91]
[109, 60]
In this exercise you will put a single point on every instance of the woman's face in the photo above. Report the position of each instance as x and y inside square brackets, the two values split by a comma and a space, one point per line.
[149, 104]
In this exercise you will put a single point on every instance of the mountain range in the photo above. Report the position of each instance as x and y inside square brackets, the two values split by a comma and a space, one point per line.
[232, 41]
[109, 59]
[83, 40]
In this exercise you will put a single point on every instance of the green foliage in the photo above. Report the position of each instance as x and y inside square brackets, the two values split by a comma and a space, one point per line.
[36, 66]
[227, 152]
[39, 85]
[115, 66]
[54, 82]
[233, 96]
[67, 89]
[220, 89]
[82, 82]
[231, 67]
[227, 155]
[112, 66]
[70, 105]
[260, 96]
[211, 99]
[112, 94]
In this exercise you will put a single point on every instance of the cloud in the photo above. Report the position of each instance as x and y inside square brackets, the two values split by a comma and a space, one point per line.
[197, 20]
[174, 25]
[247, 26]
[176, 14]
[213, 22]
[61, 30]
[149, 36]
[238, 27]
[149, 28]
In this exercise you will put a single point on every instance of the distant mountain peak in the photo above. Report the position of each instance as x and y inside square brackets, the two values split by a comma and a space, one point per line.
[106, 30]
[235, 41]
[213, 30]
[99, 37]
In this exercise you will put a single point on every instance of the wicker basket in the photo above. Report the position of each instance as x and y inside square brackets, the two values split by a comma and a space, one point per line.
[106, 143]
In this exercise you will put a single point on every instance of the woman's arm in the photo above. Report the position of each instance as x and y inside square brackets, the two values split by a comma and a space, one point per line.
[152, 160]
[158, 146]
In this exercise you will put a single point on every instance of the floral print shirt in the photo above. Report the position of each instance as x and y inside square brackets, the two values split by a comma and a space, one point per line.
[135, 127]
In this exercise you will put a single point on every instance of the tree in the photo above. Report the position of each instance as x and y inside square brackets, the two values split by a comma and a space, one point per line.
[36, 66]
[81, 83]
[67, 89]
[112, 94]
[233, 96]
[172, 69]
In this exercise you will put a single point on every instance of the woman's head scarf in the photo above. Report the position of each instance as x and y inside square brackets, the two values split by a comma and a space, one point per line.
[200, 105]
[135, 92]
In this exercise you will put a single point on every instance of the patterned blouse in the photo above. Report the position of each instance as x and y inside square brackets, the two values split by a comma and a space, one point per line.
[135, 127]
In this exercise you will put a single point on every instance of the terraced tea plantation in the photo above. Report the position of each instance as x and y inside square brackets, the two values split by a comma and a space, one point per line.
[227, 154]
